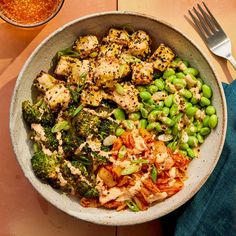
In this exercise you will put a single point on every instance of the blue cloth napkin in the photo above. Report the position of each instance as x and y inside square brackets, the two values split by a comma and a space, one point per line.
[212, 211]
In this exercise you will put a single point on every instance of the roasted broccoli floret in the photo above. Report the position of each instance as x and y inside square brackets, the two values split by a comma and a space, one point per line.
[106, 128]
[70, 141]
[37, 113]
[86, 123]
[45, 167]
[86, 190]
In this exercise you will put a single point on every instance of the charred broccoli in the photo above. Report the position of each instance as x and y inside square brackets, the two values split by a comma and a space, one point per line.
[44, 166]
[106, 128]
[86, 190]
[86, 123]
[37, 113]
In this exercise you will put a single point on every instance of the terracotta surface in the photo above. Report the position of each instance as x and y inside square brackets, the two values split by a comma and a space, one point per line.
[22, 211]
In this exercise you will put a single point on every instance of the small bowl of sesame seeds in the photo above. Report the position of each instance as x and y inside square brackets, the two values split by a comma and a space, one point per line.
[29, 13]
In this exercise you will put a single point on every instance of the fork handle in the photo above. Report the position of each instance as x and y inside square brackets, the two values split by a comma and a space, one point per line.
[232, 61]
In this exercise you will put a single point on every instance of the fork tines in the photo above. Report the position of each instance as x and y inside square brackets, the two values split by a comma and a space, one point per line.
[205, 21]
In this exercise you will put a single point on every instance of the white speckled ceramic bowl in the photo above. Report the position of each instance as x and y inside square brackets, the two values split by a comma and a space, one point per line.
[199, 169]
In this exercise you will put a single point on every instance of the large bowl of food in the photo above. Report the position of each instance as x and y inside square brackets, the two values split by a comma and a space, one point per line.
[117, 118]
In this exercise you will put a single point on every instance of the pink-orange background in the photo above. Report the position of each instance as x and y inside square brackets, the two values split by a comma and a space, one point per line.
[22, 211]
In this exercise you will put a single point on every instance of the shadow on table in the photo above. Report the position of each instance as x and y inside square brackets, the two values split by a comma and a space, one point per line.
[13, 40]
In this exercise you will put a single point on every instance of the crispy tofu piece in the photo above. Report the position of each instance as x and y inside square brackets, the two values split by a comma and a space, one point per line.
[92, 96]
[108, 71]
[117, 36]
[58, 97]
[86, 45]
[142, 73]
[45, 81]
[64, 65]
[139, 45]
[129, 99]
[80, 73]
[110, 50]
[162, 57]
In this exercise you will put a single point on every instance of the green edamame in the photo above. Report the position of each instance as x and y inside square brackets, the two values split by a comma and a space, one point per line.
[200, 138]
[191, 71]
[134, 116]
[119, 131]
[158, 127]
[186, 93]
[166, 110]
[191, 153]
[184, 146]
[213, 120]
[168, 72]
[169, 101]
[152, 89]
[205, 121]
[119, 114]
[179, 83]
[144, 112]
[145, 95]
[160, 84]
[205, 131]
[180, 75]
[143, 123]
[210, 110]
[153, 115]
[204, 101]
[151, 126]
[191, 111]
[192, 141]
[174, 110]
[207, 91]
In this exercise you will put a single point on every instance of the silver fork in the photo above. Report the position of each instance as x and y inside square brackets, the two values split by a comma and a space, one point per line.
[212, 33]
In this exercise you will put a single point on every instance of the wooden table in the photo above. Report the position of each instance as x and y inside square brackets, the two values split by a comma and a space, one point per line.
[22, 211]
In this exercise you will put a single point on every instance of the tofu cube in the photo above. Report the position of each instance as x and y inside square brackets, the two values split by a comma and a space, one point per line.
[162, 57]
[110, 50]
[45, 81]
[117, 36]
[139, 45]
[142, 73]
[58, 97]
[87, 46]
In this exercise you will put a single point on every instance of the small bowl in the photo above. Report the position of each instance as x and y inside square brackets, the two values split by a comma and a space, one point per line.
[15, 23]
[199, 169]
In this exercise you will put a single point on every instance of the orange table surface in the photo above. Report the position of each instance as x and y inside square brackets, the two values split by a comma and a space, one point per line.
[22, 211]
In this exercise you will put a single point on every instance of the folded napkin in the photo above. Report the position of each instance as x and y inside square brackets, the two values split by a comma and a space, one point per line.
[212, 211]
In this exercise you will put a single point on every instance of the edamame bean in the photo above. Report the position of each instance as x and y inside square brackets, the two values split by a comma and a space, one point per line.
[174, 110]
[119, 114]
[205, 121]
[191, 71]
[150, 101]
[205, 131]
[145, 95]
[190, 153]
[188, 105]
[168, 72]
[194, 100]
[166, 110]
[192, 141]
[151, 126]
[141, 88]
[153, 115]
[179, 83]
[198, 124]
[134, 116]
[213, 120]
[183, 152]
[200, 138]
[160, 105]
[210, 110]
[144, 112]
[119, 131]
[180, 75]
[177, 118]
[186, 93]
[171, 78]
[128, 124]
[167, 121]
[204, 101]
[175, 129]
[191, 130]
[168, 131]
[143, 123]
[169, 101]
[191, 111]
[184, 146]
[207, 91]
[160, 84]
[152, 89]
[158, 127]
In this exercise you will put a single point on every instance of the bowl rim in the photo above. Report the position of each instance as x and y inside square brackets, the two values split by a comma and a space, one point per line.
[28, 26]
[136, 219]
